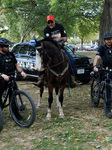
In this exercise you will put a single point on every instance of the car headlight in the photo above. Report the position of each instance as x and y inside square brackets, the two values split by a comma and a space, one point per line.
[91, 61]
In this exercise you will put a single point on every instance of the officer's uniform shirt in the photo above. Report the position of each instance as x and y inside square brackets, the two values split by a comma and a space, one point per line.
[106, 54]
[56, 32]
[8, 67]
[7, 63]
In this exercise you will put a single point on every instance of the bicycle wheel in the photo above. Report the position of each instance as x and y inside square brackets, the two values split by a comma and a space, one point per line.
[1, 120]
[22, 109]
[95, 92]
[108, 100]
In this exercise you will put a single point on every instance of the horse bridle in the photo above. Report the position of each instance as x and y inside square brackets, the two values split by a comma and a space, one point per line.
[50, 59]
[42, 51]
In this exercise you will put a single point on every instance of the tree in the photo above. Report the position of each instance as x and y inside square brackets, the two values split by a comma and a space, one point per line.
[24, 17]
[105, 20]
[80, 17]
[84, 29]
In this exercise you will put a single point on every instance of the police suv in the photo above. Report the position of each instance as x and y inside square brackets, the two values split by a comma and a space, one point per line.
[25, 54]
[26, 57]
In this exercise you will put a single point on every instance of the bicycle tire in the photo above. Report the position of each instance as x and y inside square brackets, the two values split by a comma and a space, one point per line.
[95, 92]
[1, 120]
[26, 109]
[108, 100]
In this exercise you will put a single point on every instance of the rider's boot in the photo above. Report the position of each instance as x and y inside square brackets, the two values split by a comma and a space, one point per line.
[73, 82]
[40, 80]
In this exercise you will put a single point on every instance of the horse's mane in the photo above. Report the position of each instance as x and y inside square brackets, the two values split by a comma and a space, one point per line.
[52, 50]
[51, 47]
[52, 41]
[38, 43]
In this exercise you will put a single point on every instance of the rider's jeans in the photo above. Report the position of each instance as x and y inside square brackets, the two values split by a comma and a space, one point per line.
[72, 61]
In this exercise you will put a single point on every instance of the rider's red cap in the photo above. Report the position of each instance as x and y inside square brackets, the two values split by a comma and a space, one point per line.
[50, 17]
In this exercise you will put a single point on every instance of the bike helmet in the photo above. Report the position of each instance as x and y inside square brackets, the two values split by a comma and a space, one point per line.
[4, 42]
[107, 35]
[50, 17]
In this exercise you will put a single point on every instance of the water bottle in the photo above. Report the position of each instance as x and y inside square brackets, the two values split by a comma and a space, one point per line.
[4, 94]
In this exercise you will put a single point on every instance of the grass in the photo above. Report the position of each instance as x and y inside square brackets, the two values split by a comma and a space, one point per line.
[89, 53]
[83, 128]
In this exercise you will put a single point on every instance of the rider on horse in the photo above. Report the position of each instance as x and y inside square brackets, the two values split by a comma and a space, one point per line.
[56, 32]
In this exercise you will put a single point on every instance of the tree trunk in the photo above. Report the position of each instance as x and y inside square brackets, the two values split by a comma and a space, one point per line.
[82, 41]
[105, 20]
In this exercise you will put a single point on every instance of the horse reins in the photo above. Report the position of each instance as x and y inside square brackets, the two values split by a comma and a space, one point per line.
[49, 68]
[51, 58]
[61, 74]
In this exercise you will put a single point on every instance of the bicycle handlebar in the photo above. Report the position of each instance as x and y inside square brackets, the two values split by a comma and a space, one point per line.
[107, 70]
[12, 77]
[101, 68]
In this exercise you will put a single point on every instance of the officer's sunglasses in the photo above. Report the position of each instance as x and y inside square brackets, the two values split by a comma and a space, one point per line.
[50, 21]
[5, 45]
[108, 39]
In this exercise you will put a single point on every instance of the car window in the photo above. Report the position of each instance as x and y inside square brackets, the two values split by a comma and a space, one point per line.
[31, 51]
[23, 50]
[16, 49]
[68, 49]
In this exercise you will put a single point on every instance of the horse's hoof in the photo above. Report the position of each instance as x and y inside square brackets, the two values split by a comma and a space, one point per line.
[48, 118]
[62, 116]
[38, 106]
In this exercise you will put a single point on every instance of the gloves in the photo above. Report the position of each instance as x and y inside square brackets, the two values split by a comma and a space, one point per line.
[59, 41]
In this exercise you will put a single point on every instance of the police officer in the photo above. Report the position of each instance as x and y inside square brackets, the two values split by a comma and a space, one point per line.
[8, 65]
[56, 31]
[104, 53]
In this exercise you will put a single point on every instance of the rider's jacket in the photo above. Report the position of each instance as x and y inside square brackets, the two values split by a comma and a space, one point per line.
[106, 54]
[7, 63]
[56, 32]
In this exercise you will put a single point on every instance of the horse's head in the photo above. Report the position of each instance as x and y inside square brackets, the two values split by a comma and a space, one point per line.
[49, 53]
[38, 64]
[42, 56]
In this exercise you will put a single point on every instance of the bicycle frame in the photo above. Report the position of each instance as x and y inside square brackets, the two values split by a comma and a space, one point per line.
[105, 81]
[12, 87]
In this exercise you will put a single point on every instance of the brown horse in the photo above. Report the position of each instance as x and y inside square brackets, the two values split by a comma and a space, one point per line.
[56, 66]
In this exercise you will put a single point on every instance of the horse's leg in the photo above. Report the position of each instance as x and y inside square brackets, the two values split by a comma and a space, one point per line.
[41, 92]
[61, 114]
[50, 100]
[57, 97]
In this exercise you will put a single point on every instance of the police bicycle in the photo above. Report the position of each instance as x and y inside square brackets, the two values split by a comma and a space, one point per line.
[101, 87]
[21, 105]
